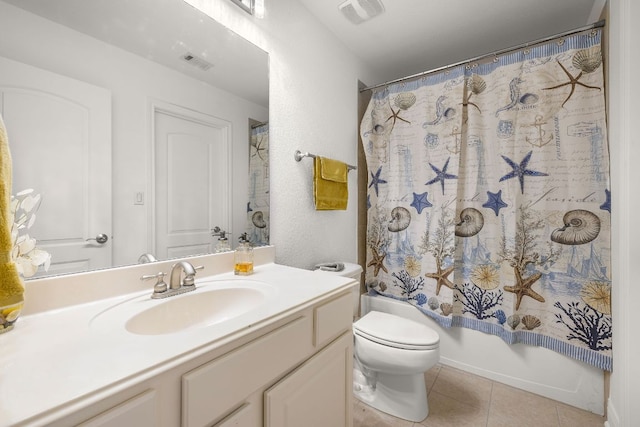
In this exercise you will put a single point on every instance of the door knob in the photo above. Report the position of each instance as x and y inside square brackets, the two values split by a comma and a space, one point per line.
[100, 238]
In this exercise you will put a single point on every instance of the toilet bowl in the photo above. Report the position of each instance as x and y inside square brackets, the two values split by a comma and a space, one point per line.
[391, 356]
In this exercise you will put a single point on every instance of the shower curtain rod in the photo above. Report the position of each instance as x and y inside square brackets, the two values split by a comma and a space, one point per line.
[598, 24]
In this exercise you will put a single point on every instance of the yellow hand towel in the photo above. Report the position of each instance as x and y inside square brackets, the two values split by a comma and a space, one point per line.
[330, 189]
[11, 289]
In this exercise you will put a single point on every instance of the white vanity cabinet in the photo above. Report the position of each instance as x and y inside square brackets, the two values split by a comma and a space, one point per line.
[287, 362]
[296, 373]
[288, 377]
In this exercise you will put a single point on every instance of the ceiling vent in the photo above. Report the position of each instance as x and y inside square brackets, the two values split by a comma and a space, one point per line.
[358, 11]
[196, 61]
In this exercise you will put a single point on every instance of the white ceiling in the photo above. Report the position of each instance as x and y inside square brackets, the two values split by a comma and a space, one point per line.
[409, 37]
[413, 36]
[163, 31]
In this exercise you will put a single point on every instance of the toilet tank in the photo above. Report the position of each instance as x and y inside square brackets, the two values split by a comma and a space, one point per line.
[352, 271]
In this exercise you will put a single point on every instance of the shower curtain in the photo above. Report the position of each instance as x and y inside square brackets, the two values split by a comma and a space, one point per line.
[258, 205]
[489, 200]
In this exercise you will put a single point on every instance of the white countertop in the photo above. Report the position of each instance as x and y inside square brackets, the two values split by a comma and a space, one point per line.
[57, 356]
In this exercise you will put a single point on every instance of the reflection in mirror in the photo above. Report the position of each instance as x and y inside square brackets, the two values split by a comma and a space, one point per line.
[246, 5]
[129, 119]
[258, 206]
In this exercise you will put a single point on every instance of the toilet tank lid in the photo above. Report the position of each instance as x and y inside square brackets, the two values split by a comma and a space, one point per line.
[396, 329]
[349, 270]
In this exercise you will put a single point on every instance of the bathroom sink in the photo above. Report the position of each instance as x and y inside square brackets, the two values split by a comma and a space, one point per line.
[194, 310]
[214, 303]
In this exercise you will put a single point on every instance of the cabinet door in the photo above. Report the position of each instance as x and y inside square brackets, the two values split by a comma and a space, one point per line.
[318, 393]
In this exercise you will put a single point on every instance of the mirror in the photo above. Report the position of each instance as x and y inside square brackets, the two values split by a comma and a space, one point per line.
[132, 120]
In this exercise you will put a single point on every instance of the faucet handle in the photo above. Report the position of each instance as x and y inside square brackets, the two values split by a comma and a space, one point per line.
[160, 285]
[189, 279]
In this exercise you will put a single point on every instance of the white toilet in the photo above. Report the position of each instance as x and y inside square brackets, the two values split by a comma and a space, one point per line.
[391, 356]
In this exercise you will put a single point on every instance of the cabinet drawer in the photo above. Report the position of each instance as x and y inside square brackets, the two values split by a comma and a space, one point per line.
[214, 389]
[138, 411]
[332, 319]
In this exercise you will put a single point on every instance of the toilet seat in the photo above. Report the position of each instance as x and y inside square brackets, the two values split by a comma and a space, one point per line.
[394, 331]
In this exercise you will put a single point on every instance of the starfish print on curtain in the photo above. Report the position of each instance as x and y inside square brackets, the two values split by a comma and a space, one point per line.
[520, 170]
[420, 202]
[441, 174]
[376, 180]
[587, 61]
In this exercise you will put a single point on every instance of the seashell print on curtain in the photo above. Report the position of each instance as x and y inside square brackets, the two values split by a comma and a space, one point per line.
[489, 199]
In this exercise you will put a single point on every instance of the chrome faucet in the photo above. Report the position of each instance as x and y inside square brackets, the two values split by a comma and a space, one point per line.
[144, 258]
[175, 279]
[177, 284]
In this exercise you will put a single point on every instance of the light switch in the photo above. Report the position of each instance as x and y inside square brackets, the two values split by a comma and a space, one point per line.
[139, 198]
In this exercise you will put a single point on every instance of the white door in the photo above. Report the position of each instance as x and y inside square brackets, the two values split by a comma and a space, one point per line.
[59, 133]
[191, 181]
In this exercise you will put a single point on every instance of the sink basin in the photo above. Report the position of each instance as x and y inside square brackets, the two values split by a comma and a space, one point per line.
[194, 310]
[214, 303]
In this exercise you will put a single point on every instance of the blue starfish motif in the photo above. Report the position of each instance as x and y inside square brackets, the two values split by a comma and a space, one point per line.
[420, 202]
[441, 175]
[495, 202]
[368, 201]
[376, 180]
[249, 207]
[520, 170]
[606, 206]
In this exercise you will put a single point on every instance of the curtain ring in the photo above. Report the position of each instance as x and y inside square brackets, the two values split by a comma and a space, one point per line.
[495, 58]
[526, 51]
[560, 42]
[593, 33]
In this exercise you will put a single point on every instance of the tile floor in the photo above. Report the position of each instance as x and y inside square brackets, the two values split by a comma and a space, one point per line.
[461, 399]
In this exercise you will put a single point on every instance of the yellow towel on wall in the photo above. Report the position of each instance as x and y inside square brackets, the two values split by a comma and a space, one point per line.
[330, 189]
[11, 289]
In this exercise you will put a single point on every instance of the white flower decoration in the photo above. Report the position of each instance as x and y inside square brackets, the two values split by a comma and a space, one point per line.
[25, 254]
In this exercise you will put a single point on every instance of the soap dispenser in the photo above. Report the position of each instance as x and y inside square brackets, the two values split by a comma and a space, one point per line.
[223, 241]
[243, 257]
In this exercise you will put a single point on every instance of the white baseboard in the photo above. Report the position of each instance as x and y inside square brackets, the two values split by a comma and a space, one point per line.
[612, 416]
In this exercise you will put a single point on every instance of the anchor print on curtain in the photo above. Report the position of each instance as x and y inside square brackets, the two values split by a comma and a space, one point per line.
[489, 199]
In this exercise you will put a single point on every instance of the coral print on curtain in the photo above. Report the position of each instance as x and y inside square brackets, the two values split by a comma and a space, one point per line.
[489, 200]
